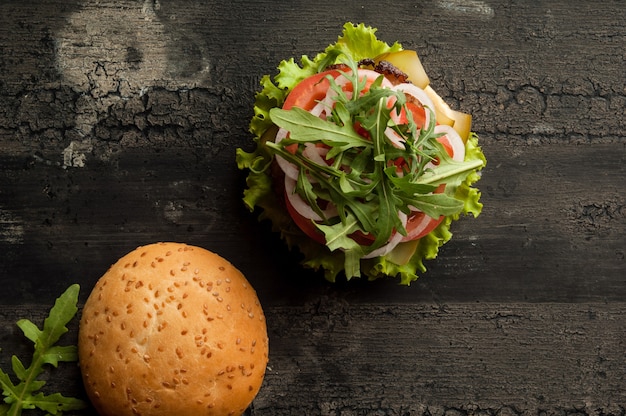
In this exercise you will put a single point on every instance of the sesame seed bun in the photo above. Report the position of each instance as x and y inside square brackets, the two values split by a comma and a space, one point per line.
[172, 329]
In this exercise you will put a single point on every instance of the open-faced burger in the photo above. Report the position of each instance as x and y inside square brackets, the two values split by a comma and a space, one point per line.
[358, 162]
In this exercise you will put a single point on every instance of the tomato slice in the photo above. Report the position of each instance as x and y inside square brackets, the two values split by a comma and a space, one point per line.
[307, 93]
[305, 224]
[418, 113]
[419, 224]
[311, 90]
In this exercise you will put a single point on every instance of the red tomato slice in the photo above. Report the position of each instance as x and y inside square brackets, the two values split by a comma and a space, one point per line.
[420, 224]
[307, 93]
[305, 224]
[418, 112]
[311, 90]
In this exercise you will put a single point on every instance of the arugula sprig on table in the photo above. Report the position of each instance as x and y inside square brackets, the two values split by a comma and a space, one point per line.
[369, 194]
[26, 393]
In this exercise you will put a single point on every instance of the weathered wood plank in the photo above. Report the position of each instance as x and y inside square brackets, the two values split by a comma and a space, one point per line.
[434, 359]
[528, 73]
[331, 356]
[553, 226]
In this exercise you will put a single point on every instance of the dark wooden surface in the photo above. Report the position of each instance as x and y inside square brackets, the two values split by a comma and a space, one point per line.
[118, 126]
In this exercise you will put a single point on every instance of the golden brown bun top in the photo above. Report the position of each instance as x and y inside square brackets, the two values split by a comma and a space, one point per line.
[172, 329]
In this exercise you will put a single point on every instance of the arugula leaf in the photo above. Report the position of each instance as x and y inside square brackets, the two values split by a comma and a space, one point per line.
[25, 394]
[338, 238]
[304, 127]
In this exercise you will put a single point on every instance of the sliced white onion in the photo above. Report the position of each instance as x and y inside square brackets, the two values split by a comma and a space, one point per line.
[458, 147]
[419, 94]
[394, 138]
[343, 80]
[302, 207]
[280, 135]
[315, 153]
[395, 239]
[455, 141]
[319, 110]
[419, 228]
[289, 169]
[327, 103]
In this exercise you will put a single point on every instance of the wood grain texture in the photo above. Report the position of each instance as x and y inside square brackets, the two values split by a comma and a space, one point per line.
[333, 356]
[119, 121]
